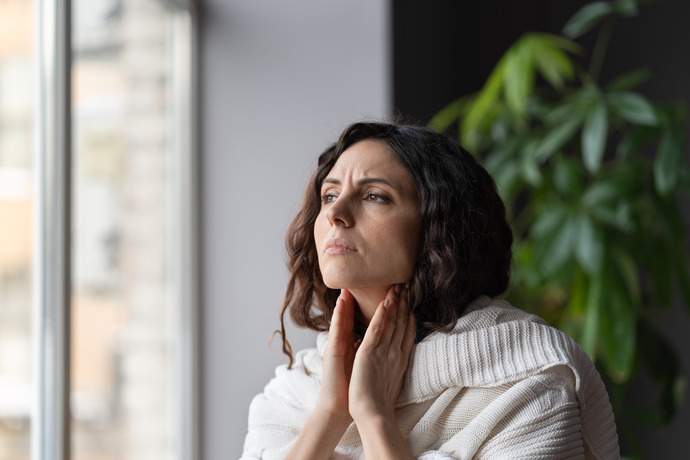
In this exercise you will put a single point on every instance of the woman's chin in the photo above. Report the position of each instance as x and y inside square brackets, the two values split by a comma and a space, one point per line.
[355, 281]
[357, 286]
[340, 284]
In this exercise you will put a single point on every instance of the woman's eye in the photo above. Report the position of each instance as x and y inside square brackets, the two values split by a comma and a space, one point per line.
[373, 197]
[328, 198]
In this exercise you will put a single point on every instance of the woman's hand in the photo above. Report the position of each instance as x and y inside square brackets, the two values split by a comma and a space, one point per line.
[377, 376]
[338, 359]
[331, 417]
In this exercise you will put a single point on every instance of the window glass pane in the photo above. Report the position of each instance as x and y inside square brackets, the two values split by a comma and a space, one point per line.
[16, 227]
[123, 343]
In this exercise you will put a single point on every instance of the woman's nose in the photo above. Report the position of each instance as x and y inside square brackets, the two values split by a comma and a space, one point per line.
[340, 212]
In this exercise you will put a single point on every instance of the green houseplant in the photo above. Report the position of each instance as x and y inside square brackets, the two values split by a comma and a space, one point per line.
[592, 174]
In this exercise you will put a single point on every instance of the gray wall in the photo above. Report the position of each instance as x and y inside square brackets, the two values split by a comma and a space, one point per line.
[279, 80]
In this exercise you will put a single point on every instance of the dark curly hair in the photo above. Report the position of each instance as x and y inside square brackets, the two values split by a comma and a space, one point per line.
[465, 248]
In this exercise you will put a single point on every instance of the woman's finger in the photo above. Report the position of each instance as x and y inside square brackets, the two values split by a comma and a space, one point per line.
[372, 336]
[338, 359]
[402, 318]
[341, 332]
[410, 334]
[391, 318]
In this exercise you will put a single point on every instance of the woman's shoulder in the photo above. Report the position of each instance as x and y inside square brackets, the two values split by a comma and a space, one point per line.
[493, 343]
[485, 312]
[497, 321]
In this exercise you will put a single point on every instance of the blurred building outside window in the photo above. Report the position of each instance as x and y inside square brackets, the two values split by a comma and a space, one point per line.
[16, 225]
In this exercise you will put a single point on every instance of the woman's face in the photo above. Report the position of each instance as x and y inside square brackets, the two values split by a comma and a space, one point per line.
[367, 233]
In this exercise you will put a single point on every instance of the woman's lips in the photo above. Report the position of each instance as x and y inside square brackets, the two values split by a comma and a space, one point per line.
[339, 246]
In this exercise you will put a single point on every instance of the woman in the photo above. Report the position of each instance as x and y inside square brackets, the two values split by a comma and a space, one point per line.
[395, 254]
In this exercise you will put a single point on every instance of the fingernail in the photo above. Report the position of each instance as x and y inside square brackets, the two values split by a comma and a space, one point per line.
[397, 289]
[386, 303]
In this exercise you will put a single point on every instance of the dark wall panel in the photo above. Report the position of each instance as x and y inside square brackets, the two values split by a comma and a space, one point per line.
[443, 49]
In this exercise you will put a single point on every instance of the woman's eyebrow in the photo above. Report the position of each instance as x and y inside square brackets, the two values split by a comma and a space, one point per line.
[366, 180]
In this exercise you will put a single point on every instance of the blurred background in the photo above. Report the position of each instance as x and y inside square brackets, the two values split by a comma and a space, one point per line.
[276, 83]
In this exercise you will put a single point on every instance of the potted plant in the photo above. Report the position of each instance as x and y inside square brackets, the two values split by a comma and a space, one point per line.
[591, 172]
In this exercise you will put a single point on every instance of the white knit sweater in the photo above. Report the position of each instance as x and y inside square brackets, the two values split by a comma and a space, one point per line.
[501, 384]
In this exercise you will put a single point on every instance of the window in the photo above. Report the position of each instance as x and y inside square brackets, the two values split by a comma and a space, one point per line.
[112, 331]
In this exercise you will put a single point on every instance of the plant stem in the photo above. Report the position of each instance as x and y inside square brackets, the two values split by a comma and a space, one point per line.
[600, 47]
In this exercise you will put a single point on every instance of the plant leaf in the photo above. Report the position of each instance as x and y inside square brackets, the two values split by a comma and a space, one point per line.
[578, 296]
[623, 218]
[633, 108]
[564, 111]
[450, 113]
[587, 17]
[667, 164]
[507, 179]
[594, 133]
[590, 327]
[529, 166]
[559, 248]
[589, 249]
[629, 80]
[553, 64]
[502, 162]
[618, 331]
[500, 128]
[530, 170]
[600, 193]
[669, 161]
[519, 75]
[567, 177]
[500, 153]
[615, 218]
[605, 199]
[625, 7]
[557, 137]
[561, 42]
[548, 221]
[478, 112]
[628, 271]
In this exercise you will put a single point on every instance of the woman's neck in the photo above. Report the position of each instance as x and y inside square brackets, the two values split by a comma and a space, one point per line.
[368, 300]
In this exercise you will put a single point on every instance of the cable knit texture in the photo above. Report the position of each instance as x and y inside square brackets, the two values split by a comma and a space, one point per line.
[502, 384]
